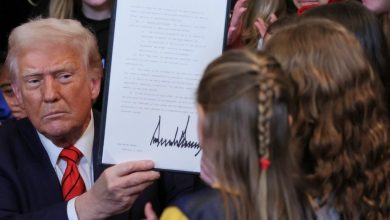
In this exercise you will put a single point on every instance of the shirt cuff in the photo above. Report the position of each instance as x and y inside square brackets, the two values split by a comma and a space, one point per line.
[71, 209]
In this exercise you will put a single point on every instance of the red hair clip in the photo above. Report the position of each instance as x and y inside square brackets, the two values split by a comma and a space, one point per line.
[264, 164]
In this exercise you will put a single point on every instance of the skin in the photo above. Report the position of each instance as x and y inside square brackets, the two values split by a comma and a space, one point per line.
[378, 6]
[235, 22]
[149, 212]
[301, 3]
[5, 86]
[57, 90]
[206, 165]
[97, 9]
[116, 190]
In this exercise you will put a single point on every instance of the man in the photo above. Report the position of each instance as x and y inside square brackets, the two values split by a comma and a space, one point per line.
[48, 162]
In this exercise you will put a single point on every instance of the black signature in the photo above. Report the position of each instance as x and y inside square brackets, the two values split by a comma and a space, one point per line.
[179, 143]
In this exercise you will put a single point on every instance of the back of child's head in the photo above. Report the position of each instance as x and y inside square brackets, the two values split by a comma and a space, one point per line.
[340, 123]
[366, 28]
[245, 97]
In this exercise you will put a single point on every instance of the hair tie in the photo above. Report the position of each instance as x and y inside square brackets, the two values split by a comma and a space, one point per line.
[264, 164]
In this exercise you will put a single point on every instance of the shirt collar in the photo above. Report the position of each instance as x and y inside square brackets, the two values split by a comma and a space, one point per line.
[84, 144]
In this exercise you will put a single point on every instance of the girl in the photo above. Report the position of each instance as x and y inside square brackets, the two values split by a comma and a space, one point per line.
[244, 133]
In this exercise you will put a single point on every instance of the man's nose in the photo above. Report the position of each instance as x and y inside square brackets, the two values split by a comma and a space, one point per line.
[50, 89]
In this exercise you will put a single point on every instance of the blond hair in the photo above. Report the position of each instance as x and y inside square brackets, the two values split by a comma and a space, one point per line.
[38, 32]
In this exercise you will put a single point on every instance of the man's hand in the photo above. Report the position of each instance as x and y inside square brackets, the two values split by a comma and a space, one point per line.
[116, 190]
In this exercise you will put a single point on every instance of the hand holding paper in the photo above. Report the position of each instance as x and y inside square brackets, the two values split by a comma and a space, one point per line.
[116, 190]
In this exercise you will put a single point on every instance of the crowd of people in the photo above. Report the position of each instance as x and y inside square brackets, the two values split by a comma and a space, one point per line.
[293, 119]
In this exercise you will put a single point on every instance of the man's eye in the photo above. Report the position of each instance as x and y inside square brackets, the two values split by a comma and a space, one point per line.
[64, 77]
[33, 81]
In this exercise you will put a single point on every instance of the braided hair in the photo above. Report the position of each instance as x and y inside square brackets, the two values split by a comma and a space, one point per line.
[244, 97]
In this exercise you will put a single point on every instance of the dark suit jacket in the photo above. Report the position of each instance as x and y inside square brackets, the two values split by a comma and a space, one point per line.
[30, 189]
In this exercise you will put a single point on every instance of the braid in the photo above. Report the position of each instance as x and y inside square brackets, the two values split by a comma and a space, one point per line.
[266, 94]
[265, 112]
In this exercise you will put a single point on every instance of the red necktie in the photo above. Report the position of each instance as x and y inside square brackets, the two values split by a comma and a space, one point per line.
[72, 182]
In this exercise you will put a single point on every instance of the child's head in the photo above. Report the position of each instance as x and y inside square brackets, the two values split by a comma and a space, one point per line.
[5, 87]
[340, 123]
[243, 121]
[366, 28]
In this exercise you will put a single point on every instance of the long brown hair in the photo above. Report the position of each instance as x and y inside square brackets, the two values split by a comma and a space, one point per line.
[385, 22]
[340, 124]
[244, 97]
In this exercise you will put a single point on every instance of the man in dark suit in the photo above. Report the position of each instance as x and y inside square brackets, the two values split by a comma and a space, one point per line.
[48, 162]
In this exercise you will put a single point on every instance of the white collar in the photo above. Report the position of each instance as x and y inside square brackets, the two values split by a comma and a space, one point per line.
[84, 144]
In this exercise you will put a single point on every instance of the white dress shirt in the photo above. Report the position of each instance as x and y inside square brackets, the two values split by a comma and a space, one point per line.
[85, 166]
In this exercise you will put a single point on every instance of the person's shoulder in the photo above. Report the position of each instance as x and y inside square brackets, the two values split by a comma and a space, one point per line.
[12, 130]
[203, 196]
[12, 135]
[10, 125]
[203, 204]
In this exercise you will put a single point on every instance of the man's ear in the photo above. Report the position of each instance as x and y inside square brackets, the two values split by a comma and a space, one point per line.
[18, 94]
[95, 84]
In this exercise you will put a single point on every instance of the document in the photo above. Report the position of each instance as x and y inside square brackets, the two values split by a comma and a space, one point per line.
[159, 52]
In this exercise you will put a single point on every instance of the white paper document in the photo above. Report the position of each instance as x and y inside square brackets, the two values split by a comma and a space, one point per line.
[159, 52]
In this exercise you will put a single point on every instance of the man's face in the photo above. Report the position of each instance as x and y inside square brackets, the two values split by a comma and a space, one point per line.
[5, 86]
[56, 91]
[378, 6]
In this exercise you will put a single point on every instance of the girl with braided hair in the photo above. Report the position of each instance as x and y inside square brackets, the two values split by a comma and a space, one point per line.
[244, 133]
[340, 124]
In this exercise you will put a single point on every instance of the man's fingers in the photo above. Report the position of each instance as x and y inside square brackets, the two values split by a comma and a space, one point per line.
[123, 169]
[136, 189]
[138, 178]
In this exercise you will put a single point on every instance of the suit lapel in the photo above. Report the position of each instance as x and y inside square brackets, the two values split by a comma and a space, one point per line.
[98, 167]
[40, 170]
[31, 140]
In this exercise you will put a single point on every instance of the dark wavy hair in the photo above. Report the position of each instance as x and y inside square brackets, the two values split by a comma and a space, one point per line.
[245, 97]
[367, 29]
[341, 127]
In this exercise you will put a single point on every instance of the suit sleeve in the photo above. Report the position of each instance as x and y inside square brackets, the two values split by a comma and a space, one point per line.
[13, 188]
[11, 206]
